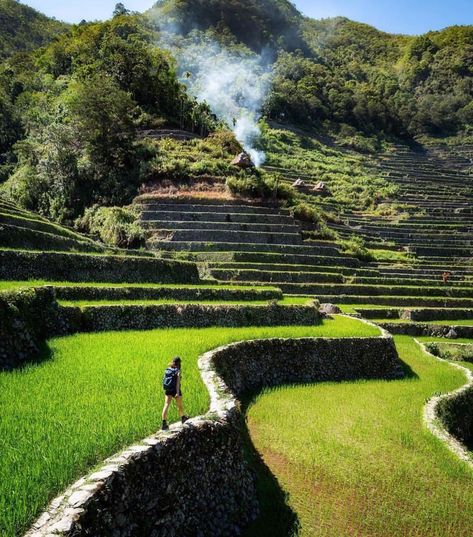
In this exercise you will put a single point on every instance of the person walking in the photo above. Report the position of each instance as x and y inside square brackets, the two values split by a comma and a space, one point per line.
[172, 390]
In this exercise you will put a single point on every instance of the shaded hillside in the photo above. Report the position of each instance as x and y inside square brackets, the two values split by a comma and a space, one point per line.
[275, 23]
[23, 28]
[342, 71]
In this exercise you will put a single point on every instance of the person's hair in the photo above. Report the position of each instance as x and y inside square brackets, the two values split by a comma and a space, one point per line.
[176, 362]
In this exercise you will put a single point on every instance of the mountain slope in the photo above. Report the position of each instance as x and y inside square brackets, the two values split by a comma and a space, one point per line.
[23, 28]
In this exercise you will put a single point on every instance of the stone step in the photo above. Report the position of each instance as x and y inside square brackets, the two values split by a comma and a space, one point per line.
[247, 218]
[156, 225]
[274, 277]
[247, 248]
[274, 267]
[376, 290]
[182, 236]
[210, 208]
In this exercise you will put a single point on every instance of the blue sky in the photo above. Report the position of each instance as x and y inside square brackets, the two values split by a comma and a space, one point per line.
[398, 16]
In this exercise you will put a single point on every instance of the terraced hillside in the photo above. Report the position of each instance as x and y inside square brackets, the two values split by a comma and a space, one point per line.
[21, 229]
[428, 230]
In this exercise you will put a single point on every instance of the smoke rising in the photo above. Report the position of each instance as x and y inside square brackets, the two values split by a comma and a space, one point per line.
[234, 84]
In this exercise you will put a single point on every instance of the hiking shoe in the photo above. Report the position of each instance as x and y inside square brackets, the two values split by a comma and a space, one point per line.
[184, 419]
[165, 426]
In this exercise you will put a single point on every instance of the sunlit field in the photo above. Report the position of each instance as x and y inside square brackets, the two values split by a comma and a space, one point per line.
[356, 459]
[96, 394]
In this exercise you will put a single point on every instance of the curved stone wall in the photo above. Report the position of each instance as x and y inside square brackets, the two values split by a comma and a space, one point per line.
[448, 416]
[194, 479]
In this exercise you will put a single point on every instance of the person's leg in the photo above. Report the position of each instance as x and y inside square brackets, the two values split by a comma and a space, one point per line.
[180, 406]
[167, 404]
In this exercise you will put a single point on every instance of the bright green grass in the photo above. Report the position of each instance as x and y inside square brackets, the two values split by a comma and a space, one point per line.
[360, 461]
[286, 301]
[95, 395]
[6, 285]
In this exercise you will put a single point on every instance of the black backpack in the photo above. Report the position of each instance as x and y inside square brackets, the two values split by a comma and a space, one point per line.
[170, 379]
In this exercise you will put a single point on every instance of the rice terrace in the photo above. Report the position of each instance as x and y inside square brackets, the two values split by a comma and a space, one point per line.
[236, 269]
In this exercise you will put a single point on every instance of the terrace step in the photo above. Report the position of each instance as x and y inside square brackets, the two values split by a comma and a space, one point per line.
[149, 217]
[347, 271]
[271, 258]
[225, 208]
[375, 290]
[155, 225]
[248, 248]
[229, 275]
[184, 236]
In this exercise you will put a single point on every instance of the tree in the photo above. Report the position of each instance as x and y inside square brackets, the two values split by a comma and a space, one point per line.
[119, 10]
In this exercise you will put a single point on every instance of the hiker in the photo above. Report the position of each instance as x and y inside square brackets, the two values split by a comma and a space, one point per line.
[172, 390]
[446, 276]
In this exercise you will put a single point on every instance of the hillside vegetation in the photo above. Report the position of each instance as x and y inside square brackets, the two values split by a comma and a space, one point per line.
[342, 71]
[23, 28]
[72, 112]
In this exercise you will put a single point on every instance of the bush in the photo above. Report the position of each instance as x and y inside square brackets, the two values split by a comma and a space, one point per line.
[355, 247]
[306, 213]
[115, 226]
[257, 184]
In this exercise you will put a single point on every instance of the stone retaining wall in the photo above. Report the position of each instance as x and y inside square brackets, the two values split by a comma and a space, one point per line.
[16, 265]
[433, 330]
[437, 314]
[156, 293]
[195, 480]
[456, 414]
[107, 318]
[27, 318]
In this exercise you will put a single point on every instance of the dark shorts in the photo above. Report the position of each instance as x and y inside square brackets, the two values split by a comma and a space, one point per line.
[173, 394]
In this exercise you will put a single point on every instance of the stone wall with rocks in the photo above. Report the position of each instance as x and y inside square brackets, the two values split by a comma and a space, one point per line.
[94, 268]
[215, 292]
[440, 314]
[27, 318]
[195, 480]
[456, 414]
[107, 318]
[433, 330]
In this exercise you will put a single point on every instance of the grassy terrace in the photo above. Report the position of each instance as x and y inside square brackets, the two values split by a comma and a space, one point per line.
[94, 394]
[359, 460]
[286, 301]
[7, 285]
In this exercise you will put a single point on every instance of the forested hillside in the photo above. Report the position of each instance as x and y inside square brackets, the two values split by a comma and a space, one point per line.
[73, 112]
[23, 28]
[344, 71]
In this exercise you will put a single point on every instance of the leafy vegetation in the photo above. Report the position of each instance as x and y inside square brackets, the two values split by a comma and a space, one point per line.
[102, 407]
[350, 468]
[23, 28]
[451, 351]
[115, 226]
[81, 100]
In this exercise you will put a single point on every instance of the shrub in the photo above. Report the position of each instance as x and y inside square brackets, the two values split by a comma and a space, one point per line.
[306, 213]
[115, 226]
[355, 247]
[258, 184]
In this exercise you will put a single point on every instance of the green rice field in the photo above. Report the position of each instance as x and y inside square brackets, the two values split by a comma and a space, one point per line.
[94, 394]
[359, 461]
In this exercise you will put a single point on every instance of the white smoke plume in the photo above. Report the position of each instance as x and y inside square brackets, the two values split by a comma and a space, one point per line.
[234, 84]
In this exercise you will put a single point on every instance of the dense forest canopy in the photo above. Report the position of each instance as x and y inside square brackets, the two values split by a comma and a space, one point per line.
[342, 71]
[23, 28]
[71, 111]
